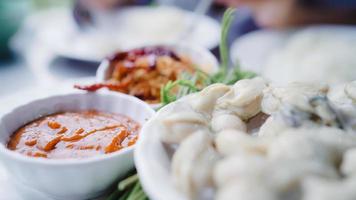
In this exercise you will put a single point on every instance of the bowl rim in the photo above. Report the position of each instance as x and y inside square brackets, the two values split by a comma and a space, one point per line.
[5, 152]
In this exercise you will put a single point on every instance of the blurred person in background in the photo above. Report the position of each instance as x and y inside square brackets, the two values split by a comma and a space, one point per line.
[267, 13]
[286, 13]
[273, 14]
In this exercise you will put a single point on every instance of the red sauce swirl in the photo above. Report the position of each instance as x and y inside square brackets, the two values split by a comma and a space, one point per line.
[75, 135]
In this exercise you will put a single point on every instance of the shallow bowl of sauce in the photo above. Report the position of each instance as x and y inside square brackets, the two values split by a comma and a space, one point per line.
[75, 134]
[72, 146]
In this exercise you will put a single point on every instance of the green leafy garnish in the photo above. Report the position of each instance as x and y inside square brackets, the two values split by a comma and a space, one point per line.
[188, 83]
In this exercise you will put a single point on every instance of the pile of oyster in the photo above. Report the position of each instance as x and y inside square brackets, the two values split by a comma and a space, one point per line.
[256, 141]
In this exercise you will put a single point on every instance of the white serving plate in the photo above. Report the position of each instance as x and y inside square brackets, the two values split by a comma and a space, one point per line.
[114, 31]
[153, 164]
[253, 50]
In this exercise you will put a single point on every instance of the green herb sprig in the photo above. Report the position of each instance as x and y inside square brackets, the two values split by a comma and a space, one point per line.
[224, 49]
[187, 83]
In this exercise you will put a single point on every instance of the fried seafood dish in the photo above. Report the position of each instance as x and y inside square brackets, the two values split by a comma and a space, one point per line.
[142, 72]
[302, 148]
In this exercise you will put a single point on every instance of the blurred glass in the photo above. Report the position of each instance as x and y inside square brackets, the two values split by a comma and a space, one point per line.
[12, 12]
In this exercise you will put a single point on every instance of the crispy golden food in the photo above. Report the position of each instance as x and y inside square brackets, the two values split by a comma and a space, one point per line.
[142, 72]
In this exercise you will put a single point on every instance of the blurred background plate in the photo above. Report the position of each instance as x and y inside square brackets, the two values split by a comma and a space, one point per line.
[253, 49]
[122, 29]
[318, 53]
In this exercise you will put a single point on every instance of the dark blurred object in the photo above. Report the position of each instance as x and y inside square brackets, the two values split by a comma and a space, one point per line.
[336, 4]
[12, 13]
[325, 12]
[279, 14]
[83, 9]
[82, 15]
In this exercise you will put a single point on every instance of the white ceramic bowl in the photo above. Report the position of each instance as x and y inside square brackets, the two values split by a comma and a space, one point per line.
[70, 178]
[199, 56]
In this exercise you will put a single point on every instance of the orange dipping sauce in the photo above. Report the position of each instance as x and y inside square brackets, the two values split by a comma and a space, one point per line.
[75, 135]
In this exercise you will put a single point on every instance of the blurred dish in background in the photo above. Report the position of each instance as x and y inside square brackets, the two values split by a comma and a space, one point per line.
[253, 49]
[142, 72]
[138, 26]
[311, 54]
[125, 28]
